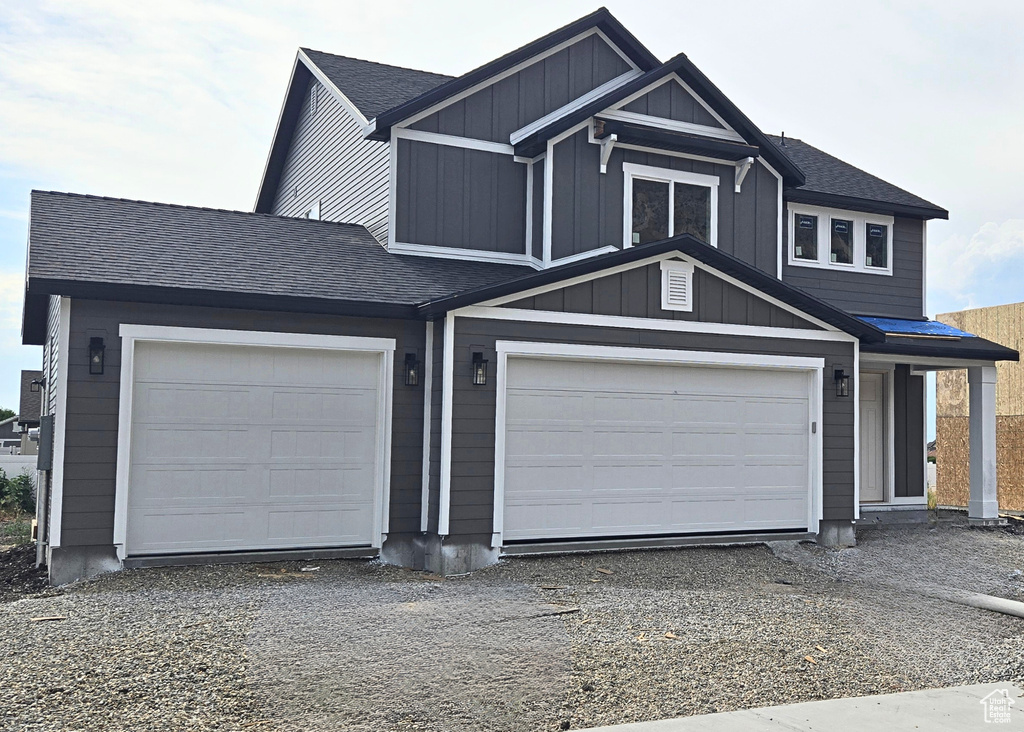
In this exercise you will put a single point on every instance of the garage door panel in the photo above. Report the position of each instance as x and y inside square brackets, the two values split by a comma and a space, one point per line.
[229, 453]
[661, 449]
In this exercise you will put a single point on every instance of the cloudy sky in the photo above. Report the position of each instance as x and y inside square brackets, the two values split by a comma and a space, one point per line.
[177, 101]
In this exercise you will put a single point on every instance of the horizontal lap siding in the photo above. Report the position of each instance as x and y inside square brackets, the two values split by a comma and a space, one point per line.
[454, 197]
[472, 486]
[90, 462]
[329, 161]
[498, 110]
[899, 296]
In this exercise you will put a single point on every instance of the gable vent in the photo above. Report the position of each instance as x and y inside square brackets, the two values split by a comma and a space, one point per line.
[677, 286]
[313, 98]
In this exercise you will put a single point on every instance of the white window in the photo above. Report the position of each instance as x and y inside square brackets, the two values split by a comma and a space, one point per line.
[313, 212]
[676, 285]
[660, 203]
[843, 240]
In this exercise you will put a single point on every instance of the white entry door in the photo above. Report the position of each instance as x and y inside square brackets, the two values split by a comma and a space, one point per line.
[601, 449]
[872, 437]
[238, 447]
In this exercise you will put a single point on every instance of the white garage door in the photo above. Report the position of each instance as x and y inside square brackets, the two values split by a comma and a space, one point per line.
[598, 449]
[242, 448]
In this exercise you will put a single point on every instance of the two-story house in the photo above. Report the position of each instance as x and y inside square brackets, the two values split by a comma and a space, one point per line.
[571, 299]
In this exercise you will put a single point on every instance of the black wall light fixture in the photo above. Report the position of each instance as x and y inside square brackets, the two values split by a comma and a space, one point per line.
[842, 383]
[412, 370]
[96, 351]
[479, 369]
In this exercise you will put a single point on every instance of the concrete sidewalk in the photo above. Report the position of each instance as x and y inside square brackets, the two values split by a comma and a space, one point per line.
[957, 708]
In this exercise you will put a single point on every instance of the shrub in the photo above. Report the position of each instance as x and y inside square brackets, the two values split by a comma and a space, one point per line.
[16, 494]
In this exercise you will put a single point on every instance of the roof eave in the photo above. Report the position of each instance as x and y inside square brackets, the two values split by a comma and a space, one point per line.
[958, 349]
[287, 119]
[820, 198]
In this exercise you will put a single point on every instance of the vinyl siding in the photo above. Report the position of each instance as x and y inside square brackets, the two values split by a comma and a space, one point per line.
[90, 461]
[672, 101]
[454, 197]
[472, 487]
[909, 447]
[589, 208]
[330, 162]
[49, 405]
[637, 293]
[898, 296]
[495, 112]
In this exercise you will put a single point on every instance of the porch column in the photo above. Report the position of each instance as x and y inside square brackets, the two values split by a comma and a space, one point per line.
[983, 506]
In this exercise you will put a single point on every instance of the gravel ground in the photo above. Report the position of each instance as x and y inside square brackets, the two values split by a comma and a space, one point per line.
[531, 644]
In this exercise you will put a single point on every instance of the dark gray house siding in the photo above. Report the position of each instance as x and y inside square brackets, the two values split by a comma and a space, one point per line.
[473, 422]
[495, 112]
[436, 406]
[898, 296]
[588, 208]
[537, 232]
[90, 457]
[908, 416]
[672, 101]
[454, 197]
[637, 293]
[329, 162]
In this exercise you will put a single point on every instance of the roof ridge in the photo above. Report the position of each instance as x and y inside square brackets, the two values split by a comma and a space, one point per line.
[187, 207]
[376, 63]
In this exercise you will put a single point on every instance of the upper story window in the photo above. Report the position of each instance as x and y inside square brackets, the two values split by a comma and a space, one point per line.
[844, 240]
[661, 202]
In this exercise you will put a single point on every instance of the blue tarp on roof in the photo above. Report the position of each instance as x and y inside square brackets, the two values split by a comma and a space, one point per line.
[898, 326]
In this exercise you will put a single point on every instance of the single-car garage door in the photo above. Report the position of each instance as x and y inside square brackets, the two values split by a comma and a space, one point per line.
[602, 448]
[238, 447]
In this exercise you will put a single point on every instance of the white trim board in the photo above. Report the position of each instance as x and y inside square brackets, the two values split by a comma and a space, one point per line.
[60, 423]
[670, 124]
[466, 143]
[429, 250]
[132, 333]
[813, 366]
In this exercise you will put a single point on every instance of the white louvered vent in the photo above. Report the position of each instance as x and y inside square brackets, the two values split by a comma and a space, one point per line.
[313, 98]
[676, 286]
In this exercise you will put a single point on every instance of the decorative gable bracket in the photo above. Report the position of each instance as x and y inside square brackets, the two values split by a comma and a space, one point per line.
[607, 145]
[742, 167]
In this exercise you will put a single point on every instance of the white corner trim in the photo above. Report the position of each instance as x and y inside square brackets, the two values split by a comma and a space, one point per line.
[670, 124]
[498, 516]
[924, 280]
[575, 105]
[428, 385]
[60, 422]
[856, 430]
[632, 171]
[131, 334]
[860, 220]
[528, 248]
[429, 250]
[466, 143]
[447, 402]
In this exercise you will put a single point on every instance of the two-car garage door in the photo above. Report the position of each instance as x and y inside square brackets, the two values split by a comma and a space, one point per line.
[597, 448]
[242, 447]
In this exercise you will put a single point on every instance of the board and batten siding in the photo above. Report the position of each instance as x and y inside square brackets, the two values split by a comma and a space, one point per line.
[330, 163]
[897, 296]
[454, 197]
[498, 110]
[537, 230]
[672, 101]
[473, 416]
[436, 408]
[90, 460]
[637, 293]
[588, 206]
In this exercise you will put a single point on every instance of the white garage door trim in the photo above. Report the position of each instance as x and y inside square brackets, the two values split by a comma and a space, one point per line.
[569, 351]
[131, 334]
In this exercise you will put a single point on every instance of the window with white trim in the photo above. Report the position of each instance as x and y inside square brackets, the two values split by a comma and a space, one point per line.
[660, 203]
[842, 240]
[676, 285]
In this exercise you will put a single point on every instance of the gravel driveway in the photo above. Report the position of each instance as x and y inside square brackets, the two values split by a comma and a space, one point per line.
[531, 644]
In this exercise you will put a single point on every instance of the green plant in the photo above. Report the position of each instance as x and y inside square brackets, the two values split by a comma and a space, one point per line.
[6, 413]
[16, 494]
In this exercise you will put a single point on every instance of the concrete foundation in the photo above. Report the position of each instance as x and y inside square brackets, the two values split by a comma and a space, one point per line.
[892, 515]
[70, 564]
[837, 534]
[447, 555]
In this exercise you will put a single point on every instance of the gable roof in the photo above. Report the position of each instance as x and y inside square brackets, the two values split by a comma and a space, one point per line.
[30, 407]
[601, 19]
[832, 182]
[109, 248]
[373, 87]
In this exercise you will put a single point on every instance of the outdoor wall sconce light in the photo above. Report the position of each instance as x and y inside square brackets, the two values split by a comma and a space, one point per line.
[96, 349]
[412, 370]
[842, 383]
[479, 369]
[37, 385]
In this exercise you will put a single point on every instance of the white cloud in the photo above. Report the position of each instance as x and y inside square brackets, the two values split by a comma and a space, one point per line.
[984, 269]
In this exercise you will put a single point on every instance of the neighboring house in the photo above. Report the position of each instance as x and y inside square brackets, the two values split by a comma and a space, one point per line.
[10, 439]
[572, 299]
[30, 410]
[953, 412]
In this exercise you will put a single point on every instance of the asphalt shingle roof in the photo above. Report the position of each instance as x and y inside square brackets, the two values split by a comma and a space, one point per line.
[91, 239]
[829, 175]
[374, 87]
